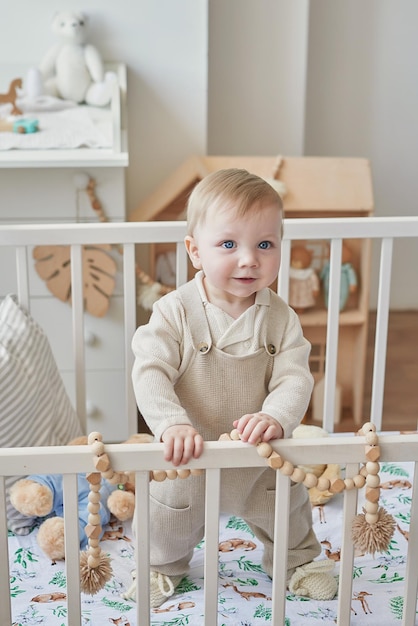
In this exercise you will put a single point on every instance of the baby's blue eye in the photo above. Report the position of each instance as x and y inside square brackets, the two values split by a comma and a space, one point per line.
[264, 245]
[228, 244]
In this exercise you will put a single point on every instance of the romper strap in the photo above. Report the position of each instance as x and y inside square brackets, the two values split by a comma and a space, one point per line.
[277, 320]
[196, 317]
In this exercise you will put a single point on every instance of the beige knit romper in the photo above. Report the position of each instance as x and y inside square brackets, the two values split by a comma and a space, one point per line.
[177, 506]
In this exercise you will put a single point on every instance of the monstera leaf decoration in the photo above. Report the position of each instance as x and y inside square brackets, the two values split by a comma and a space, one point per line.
[53, 265]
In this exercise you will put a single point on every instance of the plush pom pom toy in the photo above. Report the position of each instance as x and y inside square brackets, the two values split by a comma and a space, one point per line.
[330, 471]
[72, 69]
[42, 497]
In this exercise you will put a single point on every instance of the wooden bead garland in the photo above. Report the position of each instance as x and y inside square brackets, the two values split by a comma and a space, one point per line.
[373, 529]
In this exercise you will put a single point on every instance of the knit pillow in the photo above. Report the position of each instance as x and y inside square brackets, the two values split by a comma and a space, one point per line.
[34, 407]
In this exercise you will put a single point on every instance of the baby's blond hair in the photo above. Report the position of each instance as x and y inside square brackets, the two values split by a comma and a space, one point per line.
[223, 188]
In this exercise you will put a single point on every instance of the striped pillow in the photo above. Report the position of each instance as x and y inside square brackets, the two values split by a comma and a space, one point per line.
[34, 407]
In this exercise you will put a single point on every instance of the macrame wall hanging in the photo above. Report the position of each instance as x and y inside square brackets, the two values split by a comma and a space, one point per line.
[53, 265]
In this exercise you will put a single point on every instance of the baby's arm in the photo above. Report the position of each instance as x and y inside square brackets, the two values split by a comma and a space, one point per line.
[255, 427]
[182, 443]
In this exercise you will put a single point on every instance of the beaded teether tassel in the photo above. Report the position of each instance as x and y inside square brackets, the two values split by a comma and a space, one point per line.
[95, 569]
[373, 529]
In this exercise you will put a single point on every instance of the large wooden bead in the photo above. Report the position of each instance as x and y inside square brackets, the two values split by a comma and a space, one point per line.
[287, 468]
[373, 480]
[310, 480]
[159, 475]
[264, 449]
[93, 561]
[108, 474]
[349, 483]
[183, 473]
[372, 467]
[275, 461]
[298, 475]
[94, 478]
[171, 474]
[102, 463]
[98, 448]
[371, 518]
[94, 519]
[337, 485]
[371, 507]
[235, 436]
[371, 438]
[359, 481]
[94, 542]
[372, 453]
[94, 436]
[94, 496]
[368, 427]
[95, 550]
[372, 494]
[93, 507]
[323, 483]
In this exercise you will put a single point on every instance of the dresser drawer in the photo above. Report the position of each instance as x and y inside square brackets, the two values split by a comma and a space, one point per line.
[106, 404]
[104, 348]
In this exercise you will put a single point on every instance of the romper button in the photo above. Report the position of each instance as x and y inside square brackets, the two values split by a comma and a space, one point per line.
[271, 348]
[203, 346]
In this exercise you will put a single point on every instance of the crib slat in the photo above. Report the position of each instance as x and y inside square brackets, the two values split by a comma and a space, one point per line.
[281, 534]
[332, 335]
[379, 363]
[181, 264]
[283, 280]
[345, 586]
[72, 549]
[78, 332]
[5, 608]
[213, 479]
[142, 548]
[129, 290]
[411, 578]
[22, 276]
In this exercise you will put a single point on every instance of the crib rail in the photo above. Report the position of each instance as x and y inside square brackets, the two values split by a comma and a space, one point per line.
[217, 455]
[381, 231]
[350, 450]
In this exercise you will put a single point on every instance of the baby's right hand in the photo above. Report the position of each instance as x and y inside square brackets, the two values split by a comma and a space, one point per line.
[182, 443]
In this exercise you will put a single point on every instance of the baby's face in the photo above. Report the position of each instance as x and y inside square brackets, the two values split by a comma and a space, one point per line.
[239, 255]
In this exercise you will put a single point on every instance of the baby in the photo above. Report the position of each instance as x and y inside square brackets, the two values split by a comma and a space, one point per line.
[221, 352]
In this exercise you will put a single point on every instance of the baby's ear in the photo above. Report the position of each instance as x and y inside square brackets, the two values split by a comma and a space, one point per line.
[193, 251]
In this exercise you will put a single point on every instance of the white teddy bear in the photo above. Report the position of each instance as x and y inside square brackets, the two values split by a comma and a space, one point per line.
[72, 69]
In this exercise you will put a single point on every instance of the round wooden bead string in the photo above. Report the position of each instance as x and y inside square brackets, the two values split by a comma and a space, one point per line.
[373, 529]
[93, 559]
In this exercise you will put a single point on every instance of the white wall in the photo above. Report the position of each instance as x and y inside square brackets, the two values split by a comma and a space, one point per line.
[329, 77]
[164, 45]
[257, 77]
[362, 100]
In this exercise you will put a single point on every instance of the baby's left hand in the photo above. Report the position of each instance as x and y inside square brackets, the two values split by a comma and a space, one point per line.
[255, 427]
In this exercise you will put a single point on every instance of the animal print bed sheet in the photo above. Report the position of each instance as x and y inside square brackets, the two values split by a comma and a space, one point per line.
[38, 593]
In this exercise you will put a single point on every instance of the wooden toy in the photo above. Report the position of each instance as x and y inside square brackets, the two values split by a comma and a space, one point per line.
[315, 187]
[22, 125]
[11, 96]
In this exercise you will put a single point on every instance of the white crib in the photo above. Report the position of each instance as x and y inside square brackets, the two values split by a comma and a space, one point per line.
[346, 450]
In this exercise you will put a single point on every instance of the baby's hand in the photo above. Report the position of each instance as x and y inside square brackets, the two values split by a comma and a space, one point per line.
[182, 443]
[255, 427]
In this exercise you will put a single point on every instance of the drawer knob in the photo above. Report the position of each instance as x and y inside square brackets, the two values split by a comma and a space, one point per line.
[89, 338]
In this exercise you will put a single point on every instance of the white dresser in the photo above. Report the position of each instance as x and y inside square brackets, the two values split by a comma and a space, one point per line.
[39, 186]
